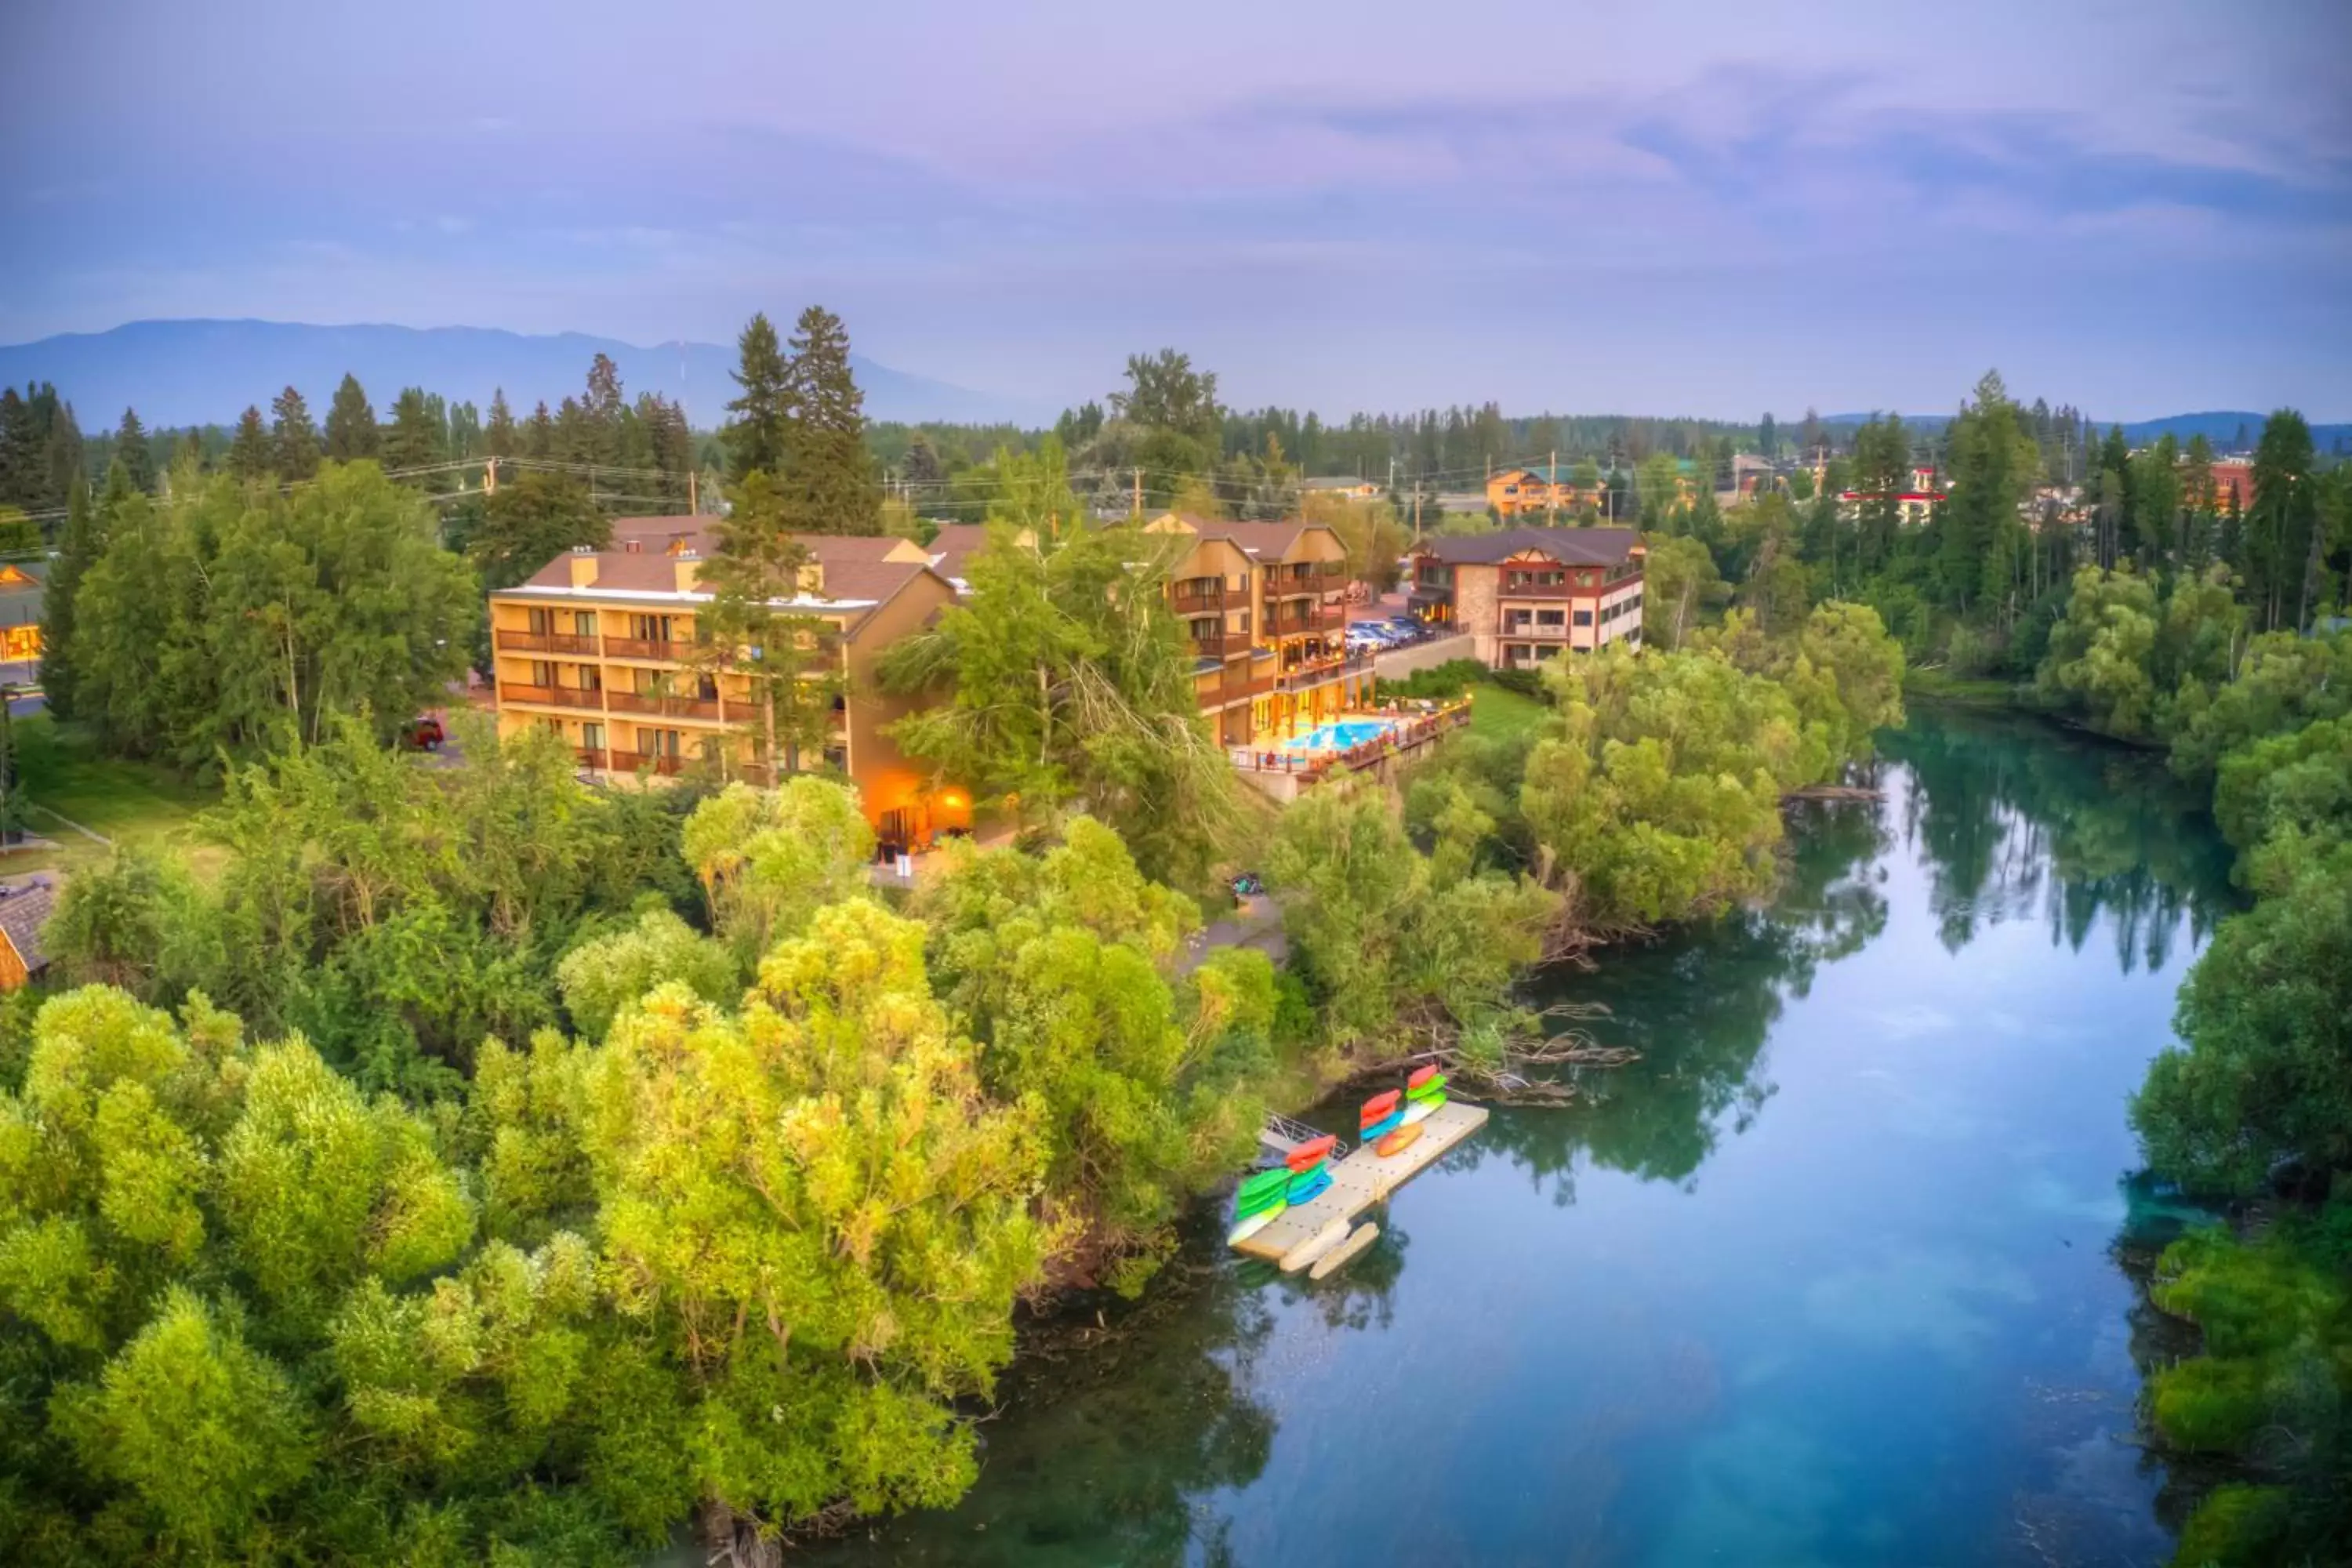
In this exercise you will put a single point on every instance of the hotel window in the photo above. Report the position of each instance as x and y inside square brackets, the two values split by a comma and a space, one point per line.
[1584, 617]
[658, 742]
[584, 622]
[542, 621]
[592, 735]
[543, 673]
[1548, 617]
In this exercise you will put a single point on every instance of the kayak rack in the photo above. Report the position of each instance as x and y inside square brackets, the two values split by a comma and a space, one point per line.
[1364, 1178]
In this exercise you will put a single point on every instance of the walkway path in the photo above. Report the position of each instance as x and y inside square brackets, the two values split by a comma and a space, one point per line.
[1256, 924]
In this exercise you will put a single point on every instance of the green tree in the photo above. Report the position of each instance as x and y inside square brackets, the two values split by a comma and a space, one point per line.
[499, 435]
[249, 452]
[79, 544]
[828, 479]
[351, 429]
[754, 578]
[2281, 524]
[1680, 585]
[1165, 393]
[755, 436]
[605, 974]
[131, 450]
[293, 439]
[768, 859]
[528, 522]
[417, 437]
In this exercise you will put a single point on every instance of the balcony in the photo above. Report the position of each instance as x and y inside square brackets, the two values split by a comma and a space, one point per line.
[647, 647]
[1321, 672]
[1294, 619]
[665, 705]
[1208, 600]
[1508, 590]
[547, 642]
[1210, 647]
[1233, 691]
[664, 764]
[553, 696]
[1531, 631]
[593, 757]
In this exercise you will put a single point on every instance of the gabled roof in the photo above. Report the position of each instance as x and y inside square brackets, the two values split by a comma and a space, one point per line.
[25, 908]
[1569, 546]
[858, 579]
[24, 585]
[955, 543]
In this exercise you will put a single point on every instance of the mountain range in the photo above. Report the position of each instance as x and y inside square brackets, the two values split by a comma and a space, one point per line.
[206, 372]
[2220, 427]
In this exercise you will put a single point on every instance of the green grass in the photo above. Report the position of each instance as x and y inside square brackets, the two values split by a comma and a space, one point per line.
[65, 776]
[1501, 713]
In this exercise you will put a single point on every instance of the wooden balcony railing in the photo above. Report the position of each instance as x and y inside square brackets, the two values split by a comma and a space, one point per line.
[547, 642]
[1253, 685]
[592, 756]
[1198, 600]
[633, 762]
[1529, 631]
[1210, 647]
[1509, 590]
[553, 696]
[646, 648]
[668, 705]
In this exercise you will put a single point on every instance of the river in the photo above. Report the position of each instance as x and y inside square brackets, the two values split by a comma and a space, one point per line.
[1834, 1274]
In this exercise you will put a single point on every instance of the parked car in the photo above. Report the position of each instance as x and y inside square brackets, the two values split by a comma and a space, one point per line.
[422, 733]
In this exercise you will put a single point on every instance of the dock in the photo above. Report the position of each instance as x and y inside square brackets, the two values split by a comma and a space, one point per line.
[1364, 1178]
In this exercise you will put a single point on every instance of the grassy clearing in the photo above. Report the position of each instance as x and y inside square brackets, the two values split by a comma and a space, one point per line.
[1496, 713]
[66, 777]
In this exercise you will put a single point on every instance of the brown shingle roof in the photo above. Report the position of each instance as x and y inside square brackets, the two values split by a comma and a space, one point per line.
[1569, 546]
[955, 543]
[25, 908]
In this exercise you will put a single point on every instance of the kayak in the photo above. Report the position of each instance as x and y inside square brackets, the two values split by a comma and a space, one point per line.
[1403, 1138]
[1422, 1075]
[1427, 1088]
[1418, 1110]
[1314, 1246]
[1263, 1183]
[1333, 1261]
[1306, 1189]
[1383, 1127]
[1379, 1105]
[1311, 1153]
[1253, 1224]
[1244, 1207]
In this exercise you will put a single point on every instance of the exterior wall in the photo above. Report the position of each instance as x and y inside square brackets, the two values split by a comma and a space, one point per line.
[1519, 491]
[887, 781]
[11, 965]
[1476, 607]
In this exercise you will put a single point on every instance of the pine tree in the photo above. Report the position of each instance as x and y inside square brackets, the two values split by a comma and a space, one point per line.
[131, 449]
[22, 480]
[755, 437]
[351, 432]
[293, 439]
[62, 459]
[829, 484]
[413, 439]
[498, 434]
[249, 452]
[79, 544]
[538, 433]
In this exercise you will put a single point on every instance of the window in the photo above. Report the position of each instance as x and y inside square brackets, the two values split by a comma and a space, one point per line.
[542, 621]
[589, 676]
[592, 735]
[584, 622]
[1584, 617]
[1548, 617]
[543, 673]
[658, 742]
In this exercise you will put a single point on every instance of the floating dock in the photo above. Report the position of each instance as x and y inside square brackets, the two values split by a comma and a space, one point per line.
[1364, 1178]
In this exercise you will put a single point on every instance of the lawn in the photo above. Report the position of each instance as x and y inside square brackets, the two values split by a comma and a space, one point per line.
[1498, 712]
[66, 780]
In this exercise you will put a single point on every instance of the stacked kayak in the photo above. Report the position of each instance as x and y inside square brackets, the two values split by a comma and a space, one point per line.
[1380, 1117]
[1258, 1202]
[1309, 1179]
[1424, 1092]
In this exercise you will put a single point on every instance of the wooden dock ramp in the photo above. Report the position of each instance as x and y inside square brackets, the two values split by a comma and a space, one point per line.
[1363, 1179]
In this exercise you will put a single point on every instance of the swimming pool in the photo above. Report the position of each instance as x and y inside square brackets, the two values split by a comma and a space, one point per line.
[1341, 735]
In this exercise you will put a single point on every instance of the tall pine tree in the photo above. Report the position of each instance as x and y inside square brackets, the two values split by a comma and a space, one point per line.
[131, 449]
[755, 437]
[293, 439]
[829, 483]
[414, 438]
[79, 544]
[498, 434]
[248, 450]
[351, 432]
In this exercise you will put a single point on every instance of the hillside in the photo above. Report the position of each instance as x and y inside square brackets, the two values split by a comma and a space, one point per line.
[206, 372]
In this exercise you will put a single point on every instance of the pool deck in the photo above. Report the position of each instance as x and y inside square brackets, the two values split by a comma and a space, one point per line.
[1364, 1178]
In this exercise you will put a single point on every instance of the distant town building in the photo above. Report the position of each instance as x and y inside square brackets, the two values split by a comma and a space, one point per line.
[1346, 485]
[2233, 484]
[1917, 502]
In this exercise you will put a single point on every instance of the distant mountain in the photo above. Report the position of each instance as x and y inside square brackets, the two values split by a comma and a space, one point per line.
[206, 372]
[2220, 427]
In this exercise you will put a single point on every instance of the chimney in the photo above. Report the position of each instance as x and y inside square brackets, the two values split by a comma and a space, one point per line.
[583, 567]
[690, 570]
[811, 578]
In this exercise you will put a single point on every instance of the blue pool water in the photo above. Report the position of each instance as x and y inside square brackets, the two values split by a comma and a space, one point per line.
[1341, 735]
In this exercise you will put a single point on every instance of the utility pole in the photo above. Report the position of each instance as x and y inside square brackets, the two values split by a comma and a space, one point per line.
[694, 492]
[1139, 495]
[491, 477]
[1551, 490]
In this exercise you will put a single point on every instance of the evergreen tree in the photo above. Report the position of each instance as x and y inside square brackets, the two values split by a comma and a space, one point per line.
[131, 449]
[23, 481]
[190, 453]
[465, 439]
[63, 455]
[1767, 438]
[538, 438]
[829, 482]
[79, 544]
[498, 435]
[293, 439]
[249, 453]
[352, 431]
[2283, 543]
[414, 438]
[755, 437]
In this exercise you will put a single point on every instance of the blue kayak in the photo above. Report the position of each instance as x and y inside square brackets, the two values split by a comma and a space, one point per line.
[1382, 1128]
[1310, 1187]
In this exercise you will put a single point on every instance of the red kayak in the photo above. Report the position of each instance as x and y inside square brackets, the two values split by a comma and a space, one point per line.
[1377, 1107]
[1311, 1153]
[1421, 1076]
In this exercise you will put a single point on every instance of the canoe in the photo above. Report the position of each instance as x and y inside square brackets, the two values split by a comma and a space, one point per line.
[1382, 1128]
[1253, 1224]
[1422, 1075]
[1314, 1246]
[1306, 1189]
[1337, 1259]
[1311, 1153]
[1419, 1109]
[1396, 1142]
[1379, 1105]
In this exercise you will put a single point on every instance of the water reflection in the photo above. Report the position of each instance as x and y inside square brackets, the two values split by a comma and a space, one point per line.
[1875, 1317]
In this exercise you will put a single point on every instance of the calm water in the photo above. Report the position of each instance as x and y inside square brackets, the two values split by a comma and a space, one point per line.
[1834, 1275]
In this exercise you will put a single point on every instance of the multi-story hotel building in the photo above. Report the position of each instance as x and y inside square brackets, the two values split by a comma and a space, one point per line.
[1264, 606]
[601, 646]
[1524, 593]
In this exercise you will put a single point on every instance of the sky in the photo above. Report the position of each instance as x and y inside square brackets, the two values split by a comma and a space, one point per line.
[1658, 206]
